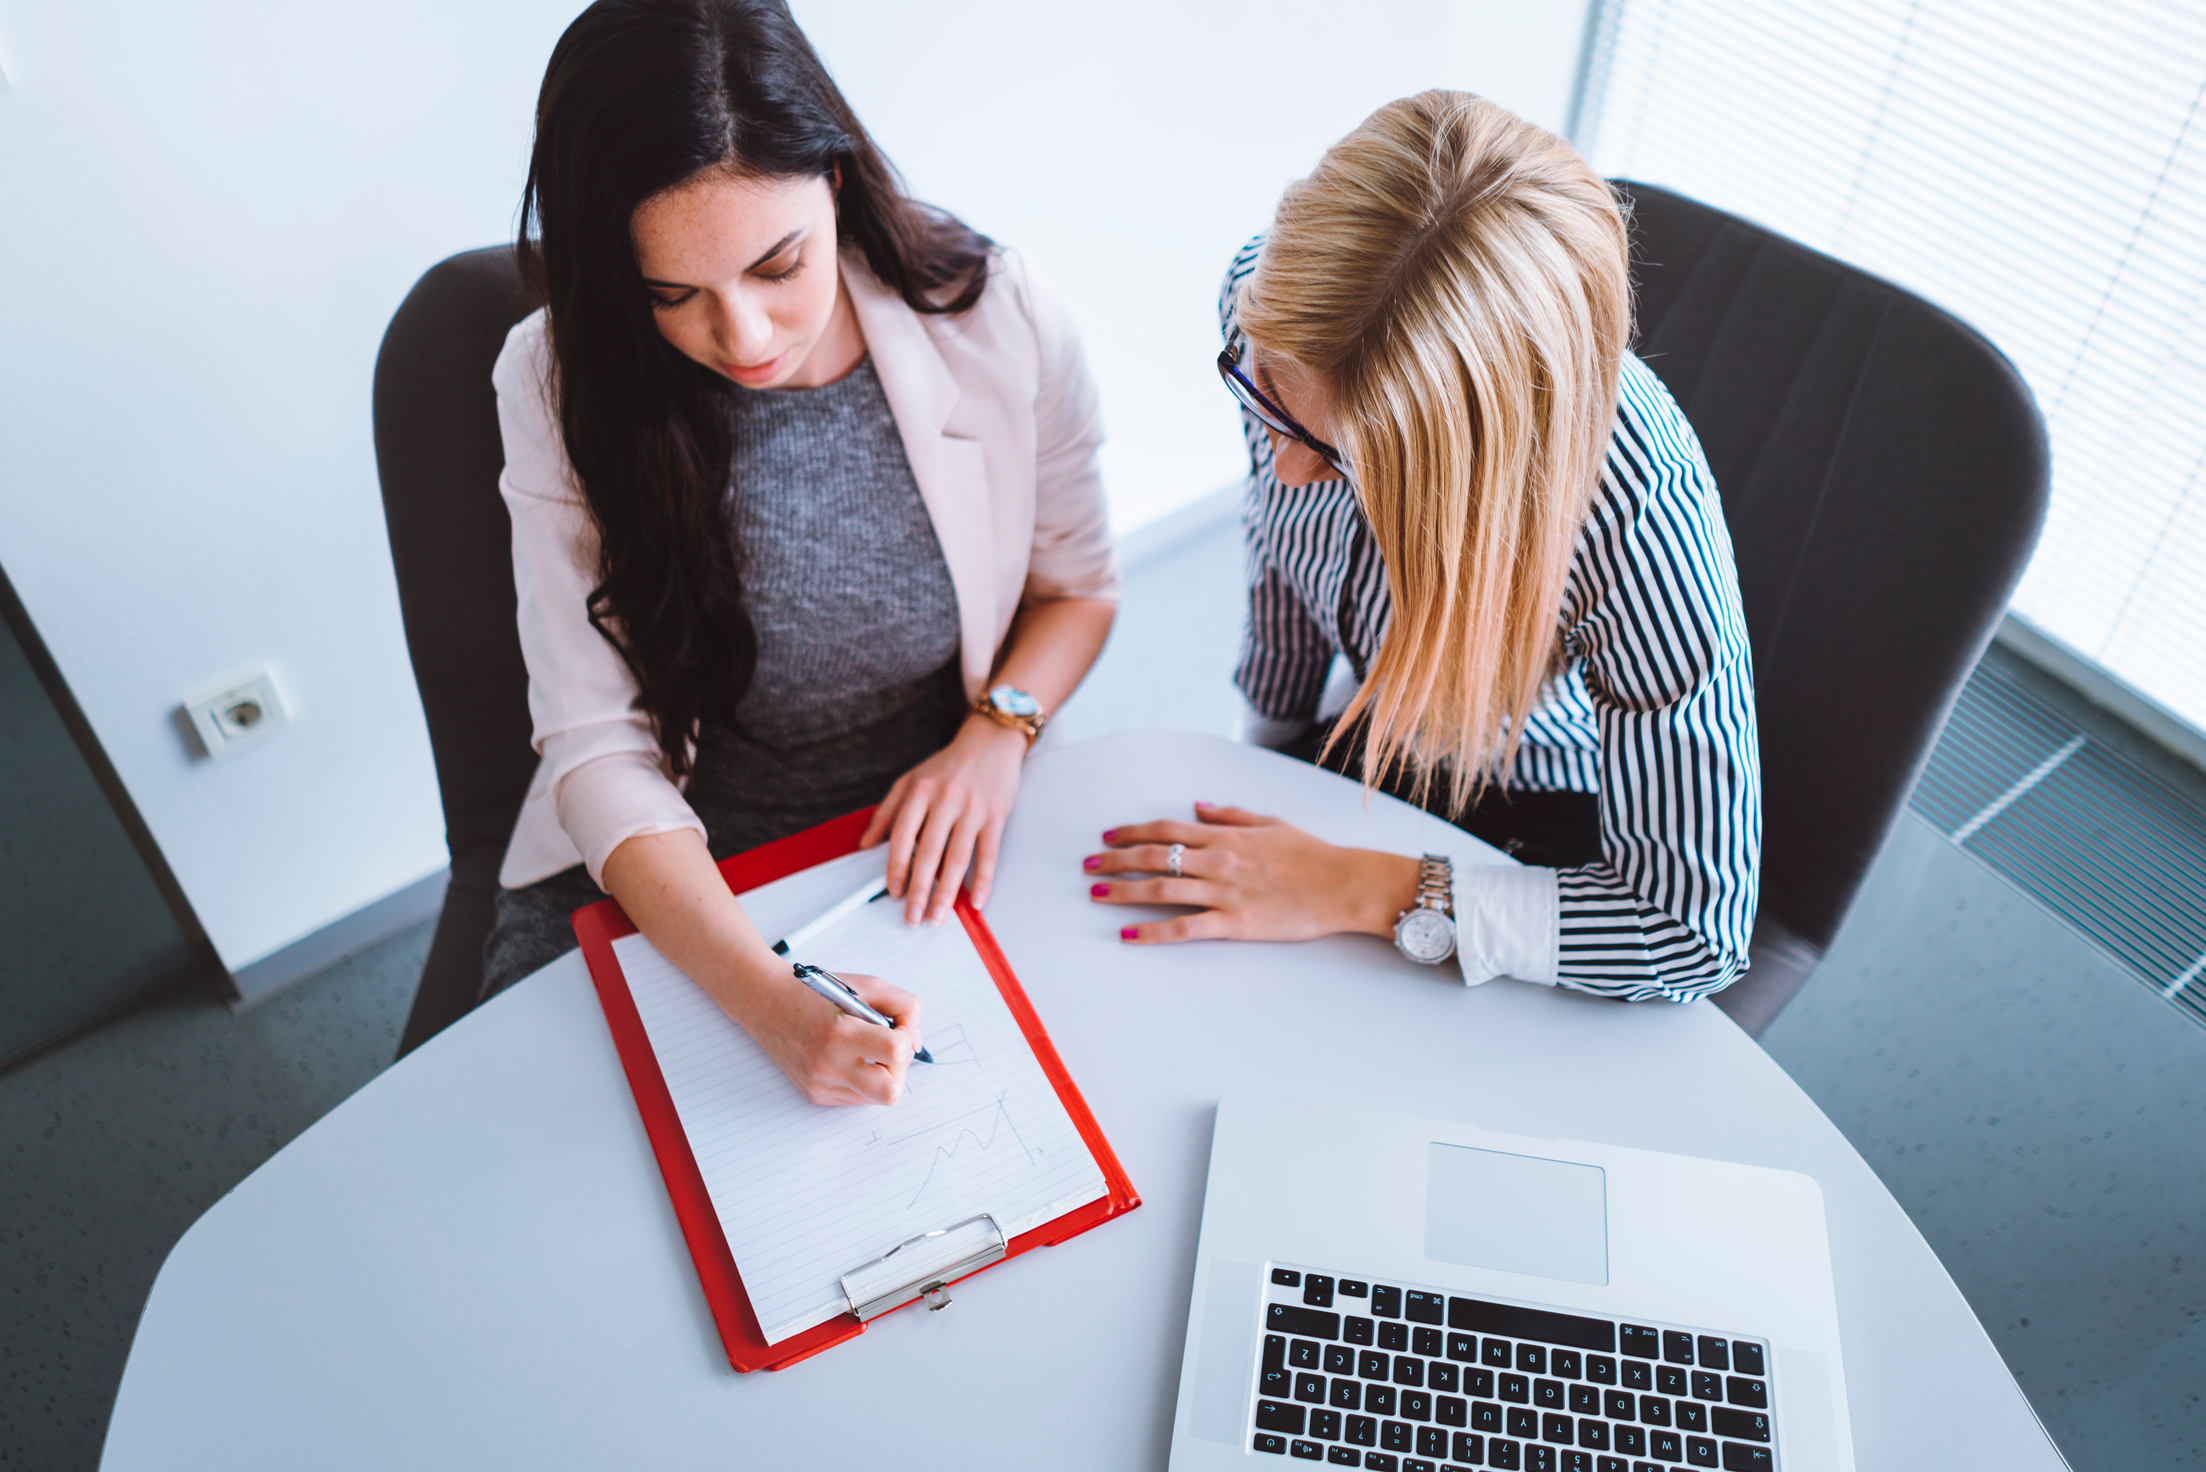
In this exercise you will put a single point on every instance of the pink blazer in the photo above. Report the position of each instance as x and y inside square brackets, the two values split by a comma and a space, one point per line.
[999, 421]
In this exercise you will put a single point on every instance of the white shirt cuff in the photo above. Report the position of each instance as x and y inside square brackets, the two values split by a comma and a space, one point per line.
[1508, 922]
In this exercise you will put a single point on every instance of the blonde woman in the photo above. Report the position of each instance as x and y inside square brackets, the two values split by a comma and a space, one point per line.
[1461, 481]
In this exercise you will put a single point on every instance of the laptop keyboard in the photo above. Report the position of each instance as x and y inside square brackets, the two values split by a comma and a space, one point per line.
[1362, 1373]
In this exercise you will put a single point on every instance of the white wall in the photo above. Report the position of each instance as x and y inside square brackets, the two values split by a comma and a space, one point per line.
[208, 213]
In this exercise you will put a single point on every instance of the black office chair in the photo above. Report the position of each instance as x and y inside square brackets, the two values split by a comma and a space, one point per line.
[438, 453]
[1884, 475]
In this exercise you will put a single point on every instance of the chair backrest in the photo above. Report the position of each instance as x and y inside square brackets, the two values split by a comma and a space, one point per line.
[1884, 474]
[438, 454]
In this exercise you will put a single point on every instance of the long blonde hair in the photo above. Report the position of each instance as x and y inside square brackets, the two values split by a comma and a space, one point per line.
[1459, 281]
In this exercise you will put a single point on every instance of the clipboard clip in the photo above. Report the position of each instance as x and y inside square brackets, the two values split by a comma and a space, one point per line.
[923, 1267]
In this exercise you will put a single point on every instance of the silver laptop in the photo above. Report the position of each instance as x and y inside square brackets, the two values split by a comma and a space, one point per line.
[1410, 1295]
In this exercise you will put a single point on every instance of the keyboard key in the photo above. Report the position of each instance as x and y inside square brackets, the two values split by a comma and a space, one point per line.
[1310, 1388]
[1380, 1462]
[1563, 1362]
[1277, 1415]
[1339, 1360]
[1741, 1391]
[1481, 1317]
[1431, 1442]
[1379, 1399]
[1425, 1342]
[1393, 1336]
[1630, 1440]
[1485, 1415]
[1479, 1382]
[1325, 1425]
[1308, 1451]
[1304, 1354]
[1424, 1308]
[1354, 1288]
[1654, 1410]
[1639, 1340]
[1594, 1434]
[1585, 1400]
[1416, 1405]
[1692, 1416]
[1667, 1445]
[1707, 1385]
[1746, 1358]
[1356, 1330]
[1669, 1379]
[1560, 1430]
[1538, 1458]
[1451, 1410]
[1372, 1365]
[1463, 1348]
[1386, 1302]
[1468, 1449]
[1516, 1388]
[1715, 1354]
[1285, 1278]
[1677, 1347]
[1275, 1351]
[1577, 1462]
[1738, 1458]
[1600, 1369]
[1744, 1425]
[1395, 1436]
[1441, 1376]
[1279, 1381]
[1363, 1431]
[1417, 1464]
[1343, 1456]
[1620, 1405]
[1609, 1464]
[1317, 1290]
[1547, 1394]
[1700, 1452]
[1310, 1323]
[1638, 1374]
[1532, 1359]
[1494, 1352]
[1502, 1453]
[1266, 1441]
[1524, 1421]
[1347, 1394]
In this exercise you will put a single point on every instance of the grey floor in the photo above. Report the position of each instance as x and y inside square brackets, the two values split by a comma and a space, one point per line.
[2038, 1111]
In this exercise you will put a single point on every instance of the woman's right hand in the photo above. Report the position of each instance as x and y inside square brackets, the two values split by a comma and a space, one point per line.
[832, 1057]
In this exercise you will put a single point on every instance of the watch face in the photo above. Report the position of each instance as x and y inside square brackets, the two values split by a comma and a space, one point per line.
[1013, 701]
[1425, 935]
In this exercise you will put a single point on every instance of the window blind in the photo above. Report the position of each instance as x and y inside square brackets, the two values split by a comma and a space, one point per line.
[2039, 170]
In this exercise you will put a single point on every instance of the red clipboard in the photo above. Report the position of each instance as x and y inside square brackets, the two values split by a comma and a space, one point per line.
[601, 924]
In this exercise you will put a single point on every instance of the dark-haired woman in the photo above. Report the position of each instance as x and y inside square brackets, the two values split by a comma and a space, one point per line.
[805, 513]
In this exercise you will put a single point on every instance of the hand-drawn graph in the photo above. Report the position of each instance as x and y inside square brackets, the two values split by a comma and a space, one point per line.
[978, 1130]
[950, 1047]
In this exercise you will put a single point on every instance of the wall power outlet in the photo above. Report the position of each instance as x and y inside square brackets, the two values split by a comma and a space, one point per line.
[239, 712]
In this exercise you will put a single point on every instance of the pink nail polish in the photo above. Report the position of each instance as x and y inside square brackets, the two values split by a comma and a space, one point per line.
[1099, 890]
[1206, 804]
[1129, 933]
[1110, 835]
[1092, 863]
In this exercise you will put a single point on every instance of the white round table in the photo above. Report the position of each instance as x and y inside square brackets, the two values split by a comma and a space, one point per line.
[472, 1262]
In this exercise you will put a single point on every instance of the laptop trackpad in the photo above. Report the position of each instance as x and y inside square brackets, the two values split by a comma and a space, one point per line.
[1516, 1213]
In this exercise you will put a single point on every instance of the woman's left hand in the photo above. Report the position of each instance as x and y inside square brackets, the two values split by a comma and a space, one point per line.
[1251, 878]
[947, 813]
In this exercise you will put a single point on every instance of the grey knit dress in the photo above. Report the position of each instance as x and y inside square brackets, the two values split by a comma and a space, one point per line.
[858, 678]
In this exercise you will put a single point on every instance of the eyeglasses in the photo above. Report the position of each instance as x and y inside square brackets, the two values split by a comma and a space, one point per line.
[1268, 413]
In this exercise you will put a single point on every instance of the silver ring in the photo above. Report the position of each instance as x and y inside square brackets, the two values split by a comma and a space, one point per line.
[1172, 858]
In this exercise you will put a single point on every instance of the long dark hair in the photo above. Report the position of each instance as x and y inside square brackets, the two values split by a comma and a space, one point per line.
[642, 96]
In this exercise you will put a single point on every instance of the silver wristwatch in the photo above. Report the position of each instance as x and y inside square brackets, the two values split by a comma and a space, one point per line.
[1425, 932]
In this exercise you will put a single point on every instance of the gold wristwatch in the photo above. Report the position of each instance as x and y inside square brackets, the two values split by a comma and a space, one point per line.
[1008, 705]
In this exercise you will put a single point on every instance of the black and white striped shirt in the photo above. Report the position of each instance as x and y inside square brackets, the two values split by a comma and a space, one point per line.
[1654, 711]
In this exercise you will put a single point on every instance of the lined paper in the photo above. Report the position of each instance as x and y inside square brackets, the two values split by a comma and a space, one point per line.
[808, 1192]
